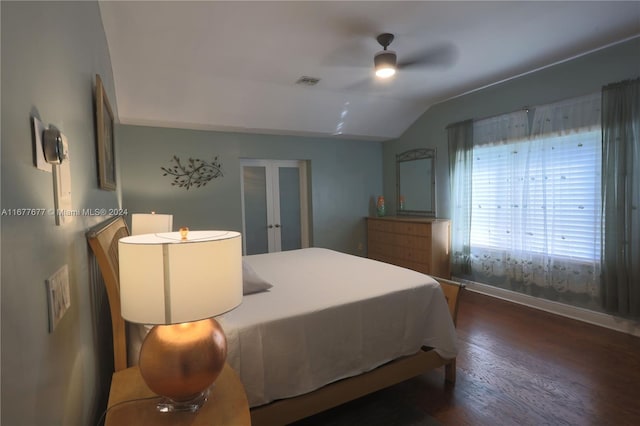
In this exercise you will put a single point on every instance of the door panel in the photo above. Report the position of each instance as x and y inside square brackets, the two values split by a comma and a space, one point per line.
[289, 192]
[255, 207]
[274, 205]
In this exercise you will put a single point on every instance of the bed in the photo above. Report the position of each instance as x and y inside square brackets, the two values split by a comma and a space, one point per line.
[380, 326]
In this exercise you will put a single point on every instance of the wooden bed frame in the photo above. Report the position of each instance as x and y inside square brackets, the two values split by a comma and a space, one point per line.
[103, 240]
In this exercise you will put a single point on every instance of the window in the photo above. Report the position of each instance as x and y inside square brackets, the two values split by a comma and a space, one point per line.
[540, 196]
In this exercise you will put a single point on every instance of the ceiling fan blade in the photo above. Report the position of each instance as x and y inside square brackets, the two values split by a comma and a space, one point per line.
[370, 85]
[352, 54]
[443, 55]
[358, 50]
[362, 85]
[350, 27]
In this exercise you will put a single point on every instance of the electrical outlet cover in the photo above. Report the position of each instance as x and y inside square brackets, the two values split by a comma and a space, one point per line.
[58, 295]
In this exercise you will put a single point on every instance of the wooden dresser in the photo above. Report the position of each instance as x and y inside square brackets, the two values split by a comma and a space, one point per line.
[421, 244]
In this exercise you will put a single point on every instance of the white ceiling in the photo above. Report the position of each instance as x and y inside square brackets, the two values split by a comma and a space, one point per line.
[233, 65]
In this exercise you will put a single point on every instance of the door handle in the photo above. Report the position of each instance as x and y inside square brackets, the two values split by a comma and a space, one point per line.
[277, 226]
[270, 226]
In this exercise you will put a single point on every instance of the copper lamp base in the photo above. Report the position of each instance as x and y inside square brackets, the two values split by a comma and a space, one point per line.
[181, 361]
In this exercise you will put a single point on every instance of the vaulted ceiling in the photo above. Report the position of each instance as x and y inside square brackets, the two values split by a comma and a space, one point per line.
[233, 66]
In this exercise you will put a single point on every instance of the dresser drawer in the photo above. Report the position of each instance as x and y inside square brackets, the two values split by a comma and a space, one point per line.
[378, 225]
[411, 241]
[412, 255]
[404, 228]
[399, 253]
[399, 227]
[400, 240]
[410, 228]
[421, 245]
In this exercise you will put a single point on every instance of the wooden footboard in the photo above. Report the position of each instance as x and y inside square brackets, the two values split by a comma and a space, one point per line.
[288, 410]
[451, 290]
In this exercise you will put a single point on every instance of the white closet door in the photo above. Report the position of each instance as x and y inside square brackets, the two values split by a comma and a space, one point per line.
[274, 205]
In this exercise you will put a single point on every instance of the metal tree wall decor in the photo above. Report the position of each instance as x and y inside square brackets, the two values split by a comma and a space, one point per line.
[195, 172]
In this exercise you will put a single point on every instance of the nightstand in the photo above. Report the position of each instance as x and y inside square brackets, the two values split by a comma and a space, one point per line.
[227, 404]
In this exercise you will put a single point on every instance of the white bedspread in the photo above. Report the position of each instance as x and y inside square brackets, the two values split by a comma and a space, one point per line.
[329, 316]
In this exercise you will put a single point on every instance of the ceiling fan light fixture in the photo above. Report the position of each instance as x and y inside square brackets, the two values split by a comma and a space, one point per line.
[385, 63]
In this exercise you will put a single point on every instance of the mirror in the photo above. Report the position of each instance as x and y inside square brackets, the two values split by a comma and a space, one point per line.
[416, 182]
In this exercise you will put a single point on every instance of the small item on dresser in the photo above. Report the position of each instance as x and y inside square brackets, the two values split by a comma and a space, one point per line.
[184, 231]
[401, 203]
[380, 206]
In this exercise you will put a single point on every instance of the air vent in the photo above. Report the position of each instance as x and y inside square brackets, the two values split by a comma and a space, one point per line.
[308, 81]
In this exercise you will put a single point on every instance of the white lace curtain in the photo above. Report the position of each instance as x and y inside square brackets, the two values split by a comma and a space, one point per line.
[518, 171]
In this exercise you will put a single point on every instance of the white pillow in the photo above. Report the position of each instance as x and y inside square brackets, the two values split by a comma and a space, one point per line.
[252, 282]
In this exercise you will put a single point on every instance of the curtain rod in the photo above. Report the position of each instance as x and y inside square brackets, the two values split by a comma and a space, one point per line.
[486, 117]
[527, 108]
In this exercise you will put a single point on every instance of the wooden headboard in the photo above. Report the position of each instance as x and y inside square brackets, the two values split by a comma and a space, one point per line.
[103, 240]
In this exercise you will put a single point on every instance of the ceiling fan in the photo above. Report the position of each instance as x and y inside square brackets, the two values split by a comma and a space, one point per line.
[386, 61]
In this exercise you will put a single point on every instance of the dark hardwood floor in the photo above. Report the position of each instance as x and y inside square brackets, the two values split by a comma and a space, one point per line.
[519, 365]
[522, 366]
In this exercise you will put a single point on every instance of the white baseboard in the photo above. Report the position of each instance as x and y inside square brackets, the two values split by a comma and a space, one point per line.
[591, 317]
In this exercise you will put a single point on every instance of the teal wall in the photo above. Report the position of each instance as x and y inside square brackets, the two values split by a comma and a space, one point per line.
[51, 52]
[583, 75]
[345, 177]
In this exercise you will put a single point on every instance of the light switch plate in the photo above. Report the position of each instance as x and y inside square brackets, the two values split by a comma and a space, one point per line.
[58, 296]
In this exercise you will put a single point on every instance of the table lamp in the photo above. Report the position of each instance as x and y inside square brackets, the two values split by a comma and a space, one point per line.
[178, 281]
[151, 223]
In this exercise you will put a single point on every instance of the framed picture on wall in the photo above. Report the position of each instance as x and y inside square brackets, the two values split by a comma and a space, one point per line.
[106, 146]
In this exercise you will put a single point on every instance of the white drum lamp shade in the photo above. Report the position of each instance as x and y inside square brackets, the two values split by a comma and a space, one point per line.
[167, 280]
[151, 223]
